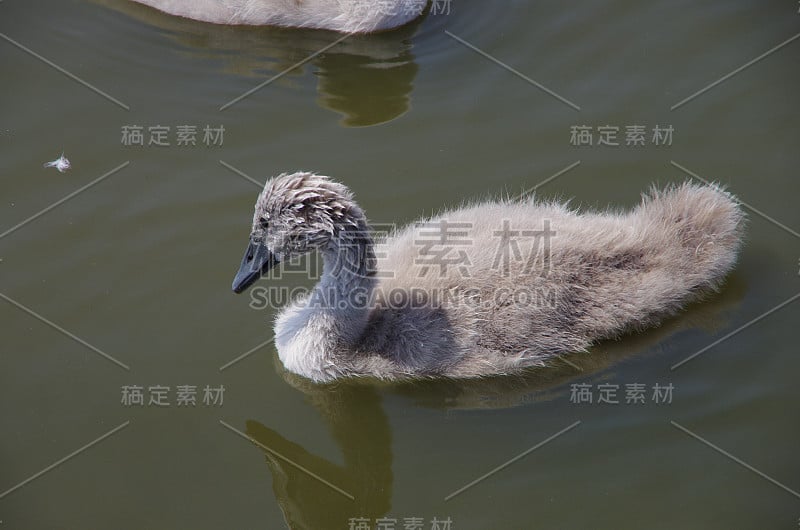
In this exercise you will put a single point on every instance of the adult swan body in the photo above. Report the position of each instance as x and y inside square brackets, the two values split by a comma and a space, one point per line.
[489, 288]
[347, 16]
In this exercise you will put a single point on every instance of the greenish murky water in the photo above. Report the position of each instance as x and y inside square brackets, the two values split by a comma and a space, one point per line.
[137, 267]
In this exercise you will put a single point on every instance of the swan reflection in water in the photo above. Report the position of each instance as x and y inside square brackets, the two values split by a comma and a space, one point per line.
[358, 424]
[367, 79]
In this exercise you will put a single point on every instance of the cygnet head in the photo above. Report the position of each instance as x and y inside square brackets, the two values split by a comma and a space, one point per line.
[294, 214]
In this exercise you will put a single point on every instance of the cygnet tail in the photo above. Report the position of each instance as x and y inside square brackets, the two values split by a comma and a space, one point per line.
[684, 240]
[699, 232]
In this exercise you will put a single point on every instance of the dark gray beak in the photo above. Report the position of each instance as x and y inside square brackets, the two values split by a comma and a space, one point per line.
[257, 260]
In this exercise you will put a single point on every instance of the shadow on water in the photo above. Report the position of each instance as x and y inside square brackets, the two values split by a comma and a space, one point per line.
[368, 79]
[353, 408]
[308, 503]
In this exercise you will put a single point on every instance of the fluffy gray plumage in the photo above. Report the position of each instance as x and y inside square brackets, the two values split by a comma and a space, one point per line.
[348, 16]
[486, 289]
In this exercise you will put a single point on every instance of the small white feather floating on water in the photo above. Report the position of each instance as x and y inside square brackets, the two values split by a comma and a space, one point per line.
[61, 163]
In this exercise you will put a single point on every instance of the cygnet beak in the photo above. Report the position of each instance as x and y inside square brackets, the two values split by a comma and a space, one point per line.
[257, 260]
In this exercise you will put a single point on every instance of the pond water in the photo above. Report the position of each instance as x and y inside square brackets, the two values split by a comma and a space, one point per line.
[125, 281]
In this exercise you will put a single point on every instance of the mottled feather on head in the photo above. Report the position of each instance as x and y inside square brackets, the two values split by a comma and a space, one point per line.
[300, 211]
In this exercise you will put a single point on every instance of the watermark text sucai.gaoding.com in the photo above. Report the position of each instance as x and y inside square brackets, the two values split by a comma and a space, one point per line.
[264, 297]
